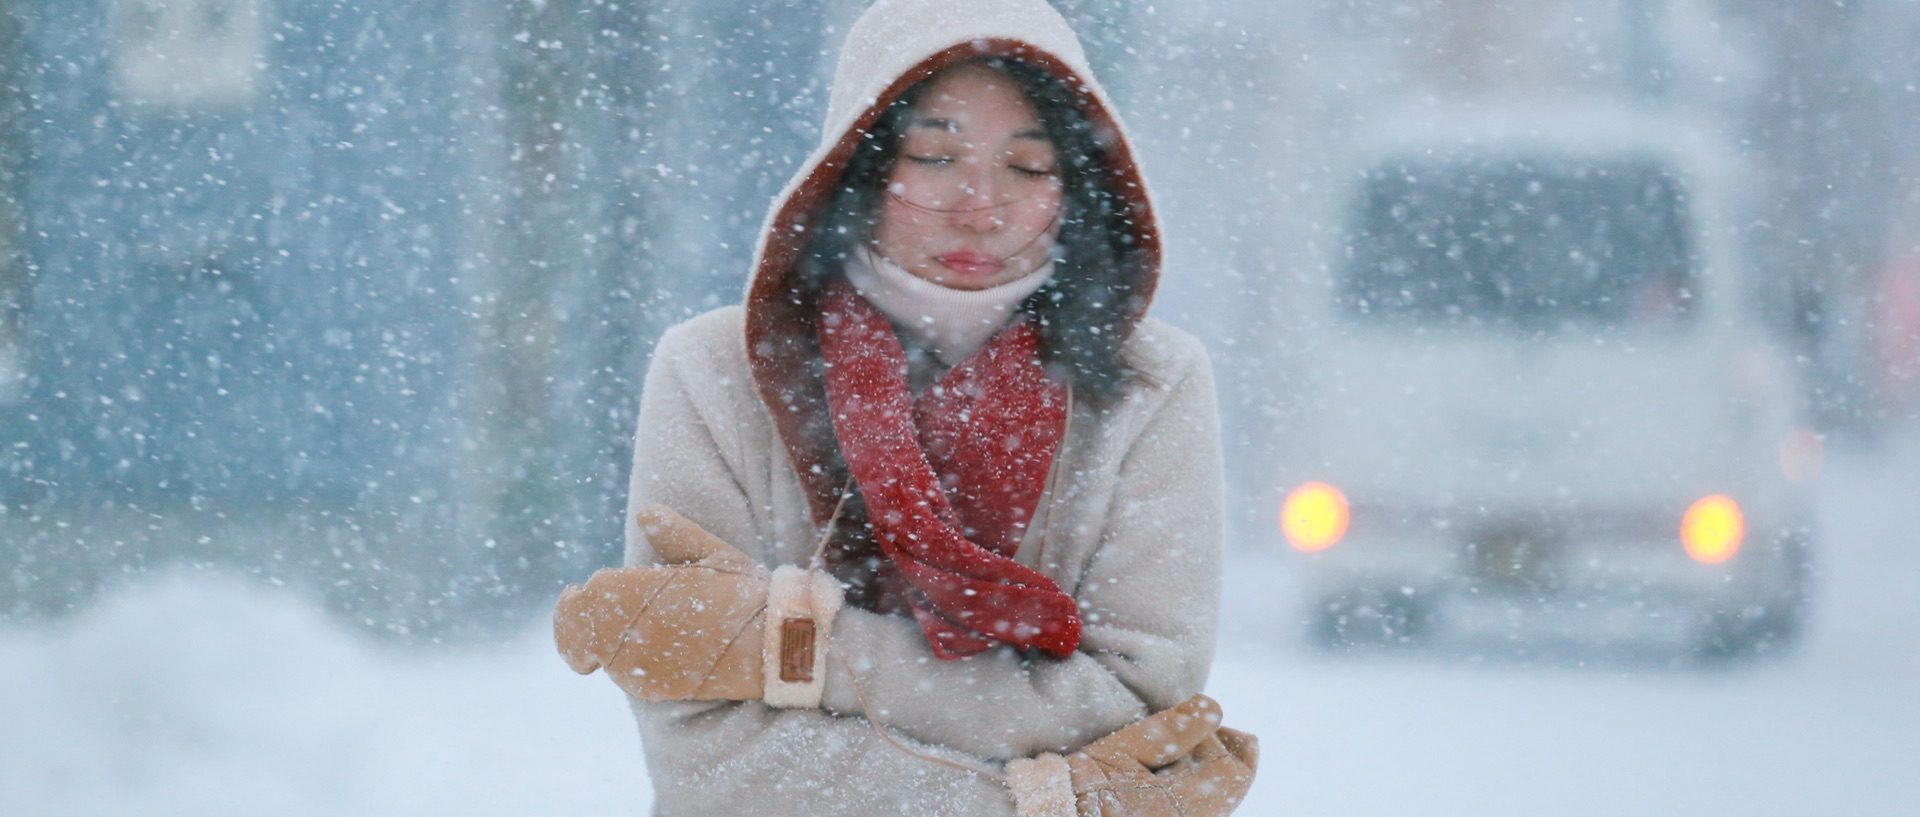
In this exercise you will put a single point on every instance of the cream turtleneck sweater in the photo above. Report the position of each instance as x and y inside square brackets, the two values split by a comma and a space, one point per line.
[951, 323]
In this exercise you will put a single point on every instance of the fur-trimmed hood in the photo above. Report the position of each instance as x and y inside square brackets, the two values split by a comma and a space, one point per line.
[895, 44]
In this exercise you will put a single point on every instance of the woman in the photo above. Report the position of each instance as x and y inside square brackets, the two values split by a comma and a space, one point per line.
[939, 508]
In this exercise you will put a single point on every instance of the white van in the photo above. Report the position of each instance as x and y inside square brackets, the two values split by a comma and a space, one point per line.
[1535, 400]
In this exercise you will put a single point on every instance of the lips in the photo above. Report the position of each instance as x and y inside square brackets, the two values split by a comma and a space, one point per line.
[972, 264]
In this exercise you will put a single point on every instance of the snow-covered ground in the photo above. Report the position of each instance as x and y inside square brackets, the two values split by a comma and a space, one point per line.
[192, 693]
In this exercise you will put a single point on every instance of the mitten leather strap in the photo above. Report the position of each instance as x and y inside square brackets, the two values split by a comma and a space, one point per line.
[800, 608]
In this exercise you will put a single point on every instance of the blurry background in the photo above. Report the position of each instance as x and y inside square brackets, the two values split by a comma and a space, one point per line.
[322, 324]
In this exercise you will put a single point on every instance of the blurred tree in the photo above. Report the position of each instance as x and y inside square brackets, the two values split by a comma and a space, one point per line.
[1829, 132]
[559, 283]
[13, 151]
[735, 97]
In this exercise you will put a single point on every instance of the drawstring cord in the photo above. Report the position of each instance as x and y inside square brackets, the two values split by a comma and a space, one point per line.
[860, 690]
[826, 535]
[814, 566]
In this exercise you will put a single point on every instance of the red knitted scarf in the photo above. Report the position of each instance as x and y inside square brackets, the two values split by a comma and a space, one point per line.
[952, 478]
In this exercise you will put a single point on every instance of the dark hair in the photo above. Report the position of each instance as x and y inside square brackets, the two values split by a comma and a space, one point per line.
[1083, 313]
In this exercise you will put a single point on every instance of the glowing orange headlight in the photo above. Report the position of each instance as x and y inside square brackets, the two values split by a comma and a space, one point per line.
[1314, 516]
[1712, 529]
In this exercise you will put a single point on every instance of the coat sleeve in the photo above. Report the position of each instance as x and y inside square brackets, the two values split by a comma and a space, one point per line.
[1148, 597]
[730, 758]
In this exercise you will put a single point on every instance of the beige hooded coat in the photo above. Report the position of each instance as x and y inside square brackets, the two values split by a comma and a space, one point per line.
[731, 436]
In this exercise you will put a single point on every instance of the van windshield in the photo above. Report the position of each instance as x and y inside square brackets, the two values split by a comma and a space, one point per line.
[1534, 244]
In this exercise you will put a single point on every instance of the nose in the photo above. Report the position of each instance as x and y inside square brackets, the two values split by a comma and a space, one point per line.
[984, 218]
[979, 207]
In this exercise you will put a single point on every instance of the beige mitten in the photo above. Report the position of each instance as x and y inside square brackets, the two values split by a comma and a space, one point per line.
[709, 624]
[1175, 763]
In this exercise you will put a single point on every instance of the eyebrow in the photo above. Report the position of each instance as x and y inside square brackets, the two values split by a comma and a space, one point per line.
[950, 126]
[935, 123]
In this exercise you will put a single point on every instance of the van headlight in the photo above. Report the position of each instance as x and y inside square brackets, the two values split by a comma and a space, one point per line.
[1712, 529]
[1314, 517]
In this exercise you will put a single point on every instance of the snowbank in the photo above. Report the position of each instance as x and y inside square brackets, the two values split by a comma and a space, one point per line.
[194, 694]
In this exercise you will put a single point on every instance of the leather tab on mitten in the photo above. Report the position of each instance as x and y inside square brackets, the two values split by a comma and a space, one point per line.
[801, 606]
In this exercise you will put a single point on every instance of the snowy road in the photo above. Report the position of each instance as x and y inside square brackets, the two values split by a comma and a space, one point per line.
[191, 694]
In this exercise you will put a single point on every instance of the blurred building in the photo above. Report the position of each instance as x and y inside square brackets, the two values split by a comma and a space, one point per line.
[306, 284]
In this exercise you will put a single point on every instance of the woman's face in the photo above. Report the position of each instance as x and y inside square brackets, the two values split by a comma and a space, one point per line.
[974, 197]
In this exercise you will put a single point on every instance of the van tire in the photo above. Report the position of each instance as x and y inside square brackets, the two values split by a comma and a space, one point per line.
[1730, 637]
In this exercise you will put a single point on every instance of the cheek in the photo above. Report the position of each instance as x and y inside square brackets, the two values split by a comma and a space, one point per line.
[1039, 213]
[898, 225]
[920, 186]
